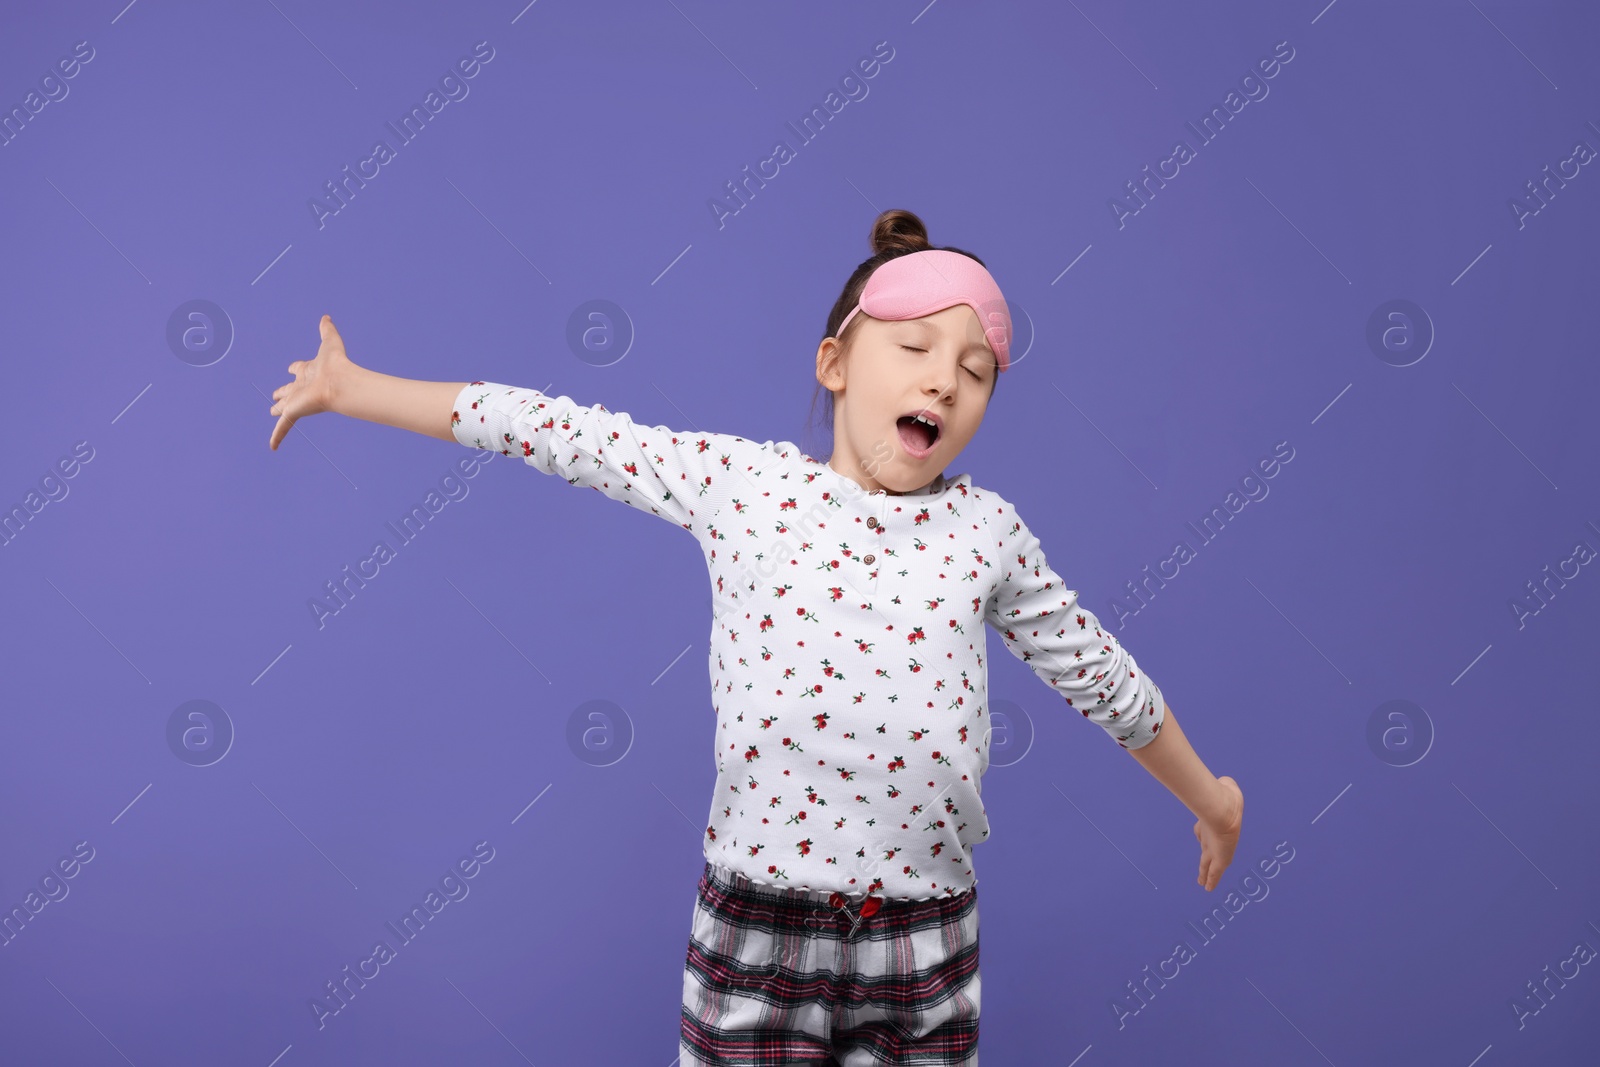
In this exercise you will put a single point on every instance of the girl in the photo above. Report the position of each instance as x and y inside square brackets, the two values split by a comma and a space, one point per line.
[836, 917]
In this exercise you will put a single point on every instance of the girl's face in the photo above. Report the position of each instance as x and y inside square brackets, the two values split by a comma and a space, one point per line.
[938, 365]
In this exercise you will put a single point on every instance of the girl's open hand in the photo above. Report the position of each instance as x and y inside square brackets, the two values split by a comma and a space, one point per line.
[1218, 841]
[312, 390]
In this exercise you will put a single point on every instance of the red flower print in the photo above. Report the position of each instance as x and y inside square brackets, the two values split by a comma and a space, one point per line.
[913, 586]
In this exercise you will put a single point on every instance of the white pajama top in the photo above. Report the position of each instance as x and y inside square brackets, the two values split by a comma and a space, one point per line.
[847, 640]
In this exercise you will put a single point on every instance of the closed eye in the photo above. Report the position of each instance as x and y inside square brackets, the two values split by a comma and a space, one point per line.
[970, 371]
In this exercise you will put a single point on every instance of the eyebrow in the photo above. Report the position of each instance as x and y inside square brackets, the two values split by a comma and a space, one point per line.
[977, 347]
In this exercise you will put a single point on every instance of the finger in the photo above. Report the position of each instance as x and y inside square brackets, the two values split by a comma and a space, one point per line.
[280, 431]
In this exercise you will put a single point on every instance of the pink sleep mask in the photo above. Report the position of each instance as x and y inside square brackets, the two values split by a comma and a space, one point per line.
[918, 284]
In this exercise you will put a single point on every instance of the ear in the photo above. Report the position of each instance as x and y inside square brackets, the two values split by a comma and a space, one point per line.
[830, 364]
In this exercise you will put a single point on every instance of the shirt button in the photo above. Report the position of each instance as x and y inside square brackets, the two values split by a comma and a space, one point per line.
[872, 523]
[868, 558]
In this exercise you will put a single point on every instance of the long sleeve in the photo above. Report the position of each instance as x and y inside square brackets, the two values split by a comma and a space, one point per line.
[1062, 642]
[679, 477]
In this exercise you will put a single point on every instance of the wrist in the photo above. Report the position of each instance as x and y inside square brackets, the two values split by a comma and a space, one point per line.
[345, 382]
[1216, 807]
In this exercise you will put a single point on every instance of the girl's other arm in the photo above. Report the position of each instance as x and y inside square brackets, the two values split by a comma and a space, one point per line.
[1044, 625]
[331, 382]
[1217, 803]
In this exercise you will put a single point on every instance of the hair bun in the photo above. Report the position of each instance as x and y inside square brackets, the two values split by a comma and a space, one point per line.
[898, 229]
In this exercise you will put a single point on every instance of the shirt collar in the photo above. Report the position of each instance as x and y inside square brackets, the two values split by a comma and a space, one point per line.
[848, 488]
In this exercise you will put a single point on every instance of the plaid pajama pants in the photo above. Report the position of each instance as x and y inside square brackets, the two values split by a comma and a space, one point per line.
[787, 977]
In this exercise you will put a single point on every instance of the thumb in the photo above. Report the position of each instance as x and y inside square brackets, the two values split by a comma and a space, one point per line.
[325, 326]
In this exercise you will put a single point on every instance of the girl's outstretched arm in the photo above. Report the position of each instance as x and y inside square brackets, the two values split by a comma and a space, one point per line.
[1217, 803]
[684, 478]
[331, 382]
[424, 407]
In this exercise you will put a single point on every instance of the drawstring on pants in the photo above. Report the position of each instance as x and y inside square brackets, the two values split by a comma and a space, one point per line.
[869, 908]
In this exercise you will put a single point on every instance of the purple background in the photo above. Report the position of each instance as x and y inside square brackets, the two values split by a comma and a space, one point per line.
[1230, 313]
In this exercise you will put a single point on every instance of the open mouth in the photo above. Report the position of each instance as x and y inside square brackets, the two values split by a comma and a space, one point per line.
[918, 433]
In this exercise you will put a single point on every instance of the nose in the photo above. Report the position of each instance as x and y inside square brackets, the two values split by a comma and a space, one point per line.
[940, 384]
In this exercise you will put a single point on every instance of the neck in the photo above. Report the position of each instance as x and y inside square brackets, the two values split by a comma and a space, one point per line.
[846, 469]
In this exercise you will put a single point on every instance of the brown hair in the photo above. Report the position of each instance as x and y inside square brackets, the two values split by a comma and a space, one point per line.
[895, 233]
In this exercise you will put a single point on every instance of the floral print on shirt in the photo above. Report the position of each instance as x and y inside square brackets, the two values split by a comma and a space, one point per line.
[847, 653]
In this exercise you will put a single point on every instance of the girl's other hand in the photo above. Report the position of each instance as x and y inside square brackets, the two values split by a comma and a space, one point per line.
[1217, 841]
[315, 384]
